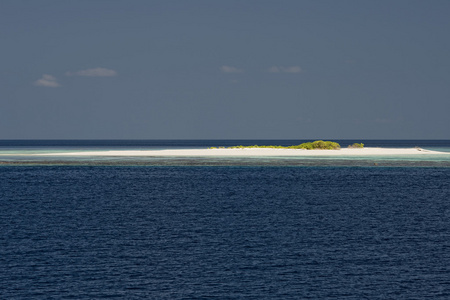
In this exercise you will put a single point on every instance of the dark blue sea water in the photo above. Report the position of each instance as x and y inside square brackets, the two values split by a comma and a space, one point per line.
[224, 232]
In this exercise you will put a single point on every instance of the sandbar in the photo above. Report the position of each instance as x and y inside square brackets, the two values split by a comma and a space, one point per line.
[252, 152]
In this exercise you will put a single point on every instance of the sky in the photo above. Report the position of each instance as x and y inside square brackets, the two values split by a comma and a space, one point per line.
[255, 69]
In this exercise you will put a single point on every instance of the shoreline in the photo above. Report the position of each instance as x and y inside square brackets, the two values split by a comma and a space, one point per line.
[249, 152]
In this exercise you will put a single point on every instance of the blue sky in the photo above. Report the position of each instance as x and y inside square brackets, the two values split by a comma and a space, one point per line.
[105, 69]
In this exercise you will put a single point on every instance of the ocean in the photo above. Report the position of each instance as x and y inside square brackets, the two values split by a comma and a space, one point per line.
[272, 228]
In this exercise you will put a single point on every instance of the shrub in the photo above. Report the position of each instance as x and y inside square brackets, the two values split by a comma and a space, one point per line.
[323, 145]
[356, 145]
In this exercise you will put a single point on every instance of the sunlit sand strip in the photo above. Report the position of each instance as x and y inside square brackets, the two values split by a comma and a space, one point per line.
[250, 152]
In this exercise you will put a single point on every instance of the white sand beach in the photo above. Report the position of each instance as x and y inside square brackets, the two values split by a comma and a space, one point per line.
[253, 152]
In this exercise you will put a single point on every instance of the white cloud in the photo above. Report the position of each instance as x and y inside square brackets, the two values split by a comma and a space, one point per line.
[94, 72]
[274, 69]
[47, 81]
[228, 69]
[292, 69]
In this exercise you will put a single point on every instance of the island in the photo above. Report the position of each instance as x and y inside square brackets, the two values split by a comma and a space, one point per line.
[317, 148]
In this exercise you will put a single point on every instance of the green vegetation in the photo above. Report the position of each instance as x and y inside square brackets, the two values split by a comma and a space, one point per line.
[316, 145]
[322, 145]
[356, 145]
